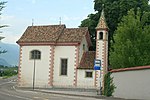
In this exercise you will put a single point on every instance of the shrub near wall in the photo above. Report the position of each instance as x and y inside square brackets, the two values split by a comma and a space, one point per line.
[109, 86]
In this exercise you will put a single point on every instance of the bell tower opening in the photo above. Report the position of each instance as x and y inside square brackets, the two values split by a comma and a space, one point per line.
[100, 35]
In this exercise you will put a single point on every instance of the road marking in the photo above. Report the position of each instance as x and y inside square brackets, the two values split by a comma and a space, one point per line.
[25, 91]
[15, 96]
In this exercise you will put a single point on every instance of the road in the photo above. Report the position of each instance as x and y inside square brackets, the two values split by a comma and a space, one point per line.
[8, 92]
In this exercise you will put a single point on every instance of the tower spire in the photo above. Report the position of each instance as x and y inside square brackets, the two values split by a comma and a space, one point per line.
[102, 22]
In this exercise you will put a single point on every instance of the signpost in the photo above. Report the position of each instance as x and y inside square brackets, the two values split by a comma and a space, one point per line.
[34, 74]
[97, 66]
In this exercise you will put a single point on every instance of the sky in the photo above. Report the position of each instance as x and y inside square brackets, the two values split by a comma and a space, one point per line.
[18, 15]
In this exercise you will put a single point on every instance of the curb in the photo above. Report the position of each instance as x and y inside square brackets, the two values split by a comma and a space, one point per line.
[43, 91]
[98, 96]
[69, 94]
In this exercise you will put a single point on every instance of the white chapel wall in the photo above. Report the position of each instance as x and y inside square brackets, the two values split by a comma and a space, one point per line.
[41, 66]
[81, 47]
[83, 81]
[64, 52]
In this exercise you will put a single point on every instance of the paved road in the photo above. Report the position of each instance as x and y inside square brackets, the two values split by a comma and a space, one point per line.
[8, 92]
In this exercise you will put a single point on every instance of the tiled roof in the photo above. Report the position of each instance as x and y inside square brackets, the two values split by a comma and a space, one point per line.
[53, 33]
[102, 22]
[73, 34]
[48, 33]
[87, 60]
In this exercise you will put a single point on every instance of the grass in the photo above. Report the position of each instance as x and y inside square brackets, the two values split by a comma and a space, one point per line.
[7, 72]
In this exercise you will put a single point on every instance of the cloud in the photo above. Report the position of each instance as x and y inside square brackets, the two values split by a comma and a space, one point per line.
[70, 18]
[64, 19]
[11, 38]
[15, 30]
[4, 18]
[33, 1]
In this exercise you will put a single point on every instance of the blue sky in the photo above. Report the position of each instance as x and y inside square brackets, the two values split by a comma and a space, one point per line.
[18, 14]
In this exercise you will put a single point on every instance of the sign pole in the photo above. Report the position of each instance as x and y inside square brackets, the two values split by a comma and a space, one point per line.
[97, 66]
[34, 75]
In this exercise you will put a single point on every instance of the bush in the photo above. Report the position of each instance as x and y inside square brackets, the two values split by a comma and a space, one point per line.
[10, 71]
[109, 86]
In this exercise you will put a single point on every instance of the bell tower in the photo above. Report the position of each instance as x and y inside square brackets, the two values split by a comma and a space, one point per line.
[101, 49]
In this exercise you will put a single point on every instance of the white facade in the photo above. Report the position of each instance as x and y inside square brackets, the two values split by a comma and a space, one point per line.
[47, 69]
[56, 45]
[41, 66]
[83, 81]
[61, 52]
[132, 84]
[81, 51]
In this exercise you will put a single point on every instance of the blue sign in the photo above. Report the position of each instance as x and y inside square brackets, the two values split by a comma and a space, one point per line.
[97, 64]
[97, 68]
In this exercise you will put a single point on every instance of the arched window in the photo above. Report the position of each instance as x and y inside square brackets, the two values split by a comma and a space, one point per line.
[35, 54]
[101, 35]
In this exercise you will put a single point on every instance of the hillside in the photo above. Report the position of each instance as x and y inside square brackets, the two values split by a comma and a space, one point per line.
[11, 57]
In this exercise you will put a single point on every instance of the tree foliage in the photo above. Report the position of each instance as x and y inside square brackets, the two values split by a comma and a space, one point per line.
[2, 5]
[132, 40]
[109, 86]
[114, 11]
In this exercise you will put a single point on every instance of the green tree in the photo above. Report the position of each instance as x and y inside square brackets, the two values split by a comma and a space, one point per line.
[114, 11]
[109, 86]
[2, 5]
[132, 41]
[91, 22]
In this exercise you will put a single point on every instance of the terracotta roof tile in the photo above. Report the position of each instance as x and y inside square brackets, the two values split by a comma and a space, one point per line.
[49, 33]
[102, 22]
[53, 33]
[73, 34]
[87, 60]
